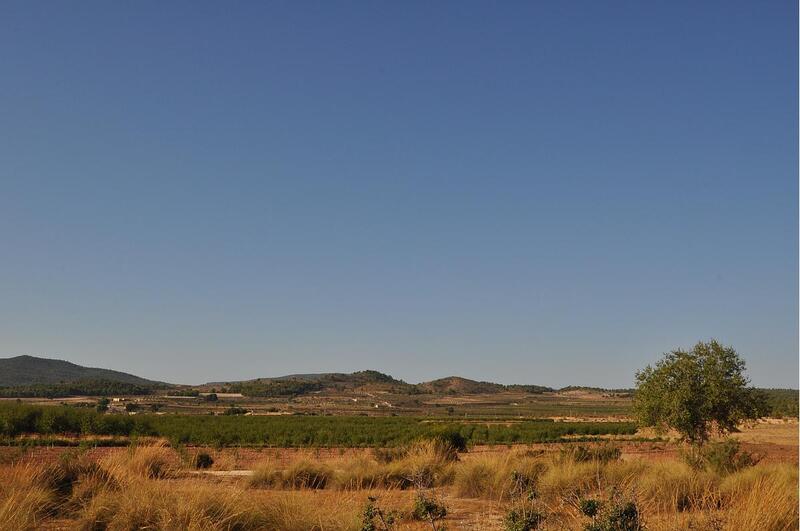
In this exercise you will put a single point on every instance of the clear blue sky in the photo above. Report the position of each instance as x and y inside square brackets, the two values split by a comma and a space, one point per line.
[524, 192]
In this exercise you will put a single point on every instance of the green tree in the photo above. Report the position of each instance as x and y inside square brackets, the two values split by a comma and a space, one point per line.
[696, 392]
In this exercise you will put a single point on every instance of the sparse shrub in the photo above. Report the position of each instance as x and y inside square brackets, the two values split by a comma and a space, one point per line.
[522, 518]
[203, 460]
[429, 509]
[620, 515]
[589, 507]
[373, 518]
[723, 457]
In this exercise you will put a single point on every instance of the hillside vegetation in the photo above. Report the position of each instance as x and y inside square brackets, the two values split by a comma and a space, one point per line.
[30, 370]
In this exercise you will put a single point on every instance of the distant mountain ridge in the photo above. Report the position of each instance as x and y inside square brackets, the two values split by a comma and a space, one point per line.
[32, 370]
[20, 371]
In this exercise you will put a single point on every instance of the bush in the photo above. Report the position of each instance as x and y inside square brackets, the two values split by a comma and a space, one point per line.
[452, 439]
[522, 519]
[589, 507]
[203, 460]
[727, 456]
[620, 516]
[427, 508]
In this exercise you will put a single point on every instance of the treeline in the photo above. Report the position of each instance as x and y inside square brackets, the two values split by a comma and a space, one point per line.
[296, 431]
[79, 388]
[779, 402]
[274, 388]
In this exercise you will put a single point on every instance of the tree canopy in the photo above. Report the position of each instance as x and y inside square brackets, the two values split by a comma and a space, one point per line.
[696, 393]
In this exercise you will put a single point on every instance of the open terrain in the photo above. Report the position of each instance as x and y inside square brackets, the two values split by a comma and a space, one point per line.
[153, 485]
[364, 451]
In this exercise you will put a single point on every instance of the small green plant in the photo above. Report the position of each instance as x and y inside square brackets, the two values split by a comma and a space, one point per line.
[373, 518]
[427, 508]
[522, 518]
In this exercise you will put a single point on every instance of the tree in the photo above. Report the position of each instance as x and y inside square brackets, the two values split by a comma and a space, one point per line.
[696, 392]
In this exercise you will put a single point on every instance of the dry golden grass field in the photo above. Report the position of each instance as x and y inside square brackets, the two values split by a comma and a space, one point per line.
[501, 487]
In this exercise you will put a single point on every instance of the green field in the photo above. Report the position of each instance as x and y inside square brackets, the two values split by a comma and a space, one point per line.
[286, 431]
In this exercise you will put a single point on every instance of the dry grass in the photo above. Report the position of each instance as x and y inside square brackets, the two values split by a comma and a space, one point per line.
[146, 488]
[498, 477]
[148, 462]
[24, 502]
[673, 487]
[762, 497]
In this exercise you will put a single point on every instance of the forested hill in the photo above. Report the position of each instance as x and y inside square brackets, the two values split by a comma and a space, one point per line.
[30, 370]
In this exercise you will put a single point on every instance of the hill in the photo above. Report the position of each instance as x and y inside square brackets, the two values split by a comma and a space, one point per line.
[458, 385]
[364, 381]
[31, 370]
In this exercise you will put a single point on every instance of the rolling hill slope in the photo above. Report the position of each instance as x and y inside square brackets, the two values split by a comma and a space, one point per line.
[31, 370]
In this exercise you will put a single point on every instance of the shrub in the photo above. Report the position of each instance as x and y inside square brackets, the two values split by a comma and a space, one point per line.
[522, 518]
[723, 457]
[373, 518]
[428, 508]
[620, 516]
[203, 460]
[589, 507]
